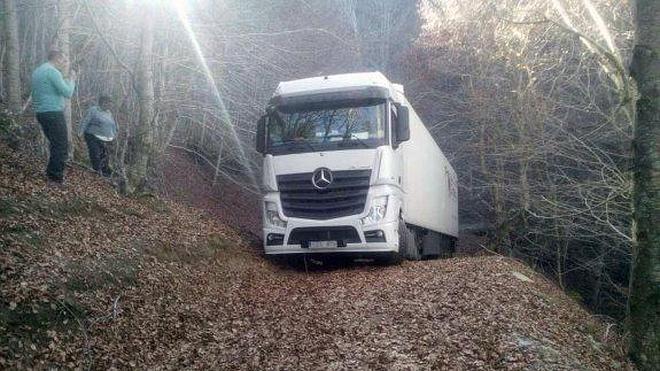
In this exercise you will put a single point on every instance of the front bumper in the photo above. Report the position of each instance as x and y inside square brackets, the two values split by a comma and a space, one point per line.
[388, 225]
[390, 230]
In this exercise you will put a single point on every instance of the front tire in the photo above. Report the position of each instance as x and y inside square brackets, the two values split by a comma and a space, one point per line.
[447, 246]
[409, 243]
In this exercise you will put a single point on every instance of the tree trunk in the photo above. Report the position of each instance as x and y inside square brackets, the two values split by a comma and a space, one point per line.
[62, 42]
[349, 14]
[218, 162]
[645, 286]
[142, 141]
[13, 57]
[501, 218]
[559, 241]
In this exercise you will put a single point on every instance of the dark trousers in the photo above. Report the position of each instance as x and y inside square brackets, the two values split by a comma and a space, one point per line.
[54, 126]
[98, 154]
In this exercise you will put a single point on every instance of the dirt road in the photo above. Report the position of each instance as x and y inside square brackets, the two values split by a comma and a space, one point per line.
[92, 279]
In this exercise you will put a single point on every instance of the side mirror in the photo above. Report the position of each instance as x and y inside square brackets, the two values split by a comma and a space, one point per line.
[261, 135]
[402, 129]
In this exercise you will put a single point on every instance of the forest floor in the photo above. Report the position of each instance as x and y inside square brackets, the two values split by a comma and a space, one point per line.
[189, 181]
[91, 279]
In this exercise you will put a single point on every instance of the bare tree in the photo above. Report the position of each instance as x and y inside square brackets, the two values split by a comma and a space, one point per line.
[13, 57]
[531, 102]
[645, 287]
[62, 42]
[142, 142]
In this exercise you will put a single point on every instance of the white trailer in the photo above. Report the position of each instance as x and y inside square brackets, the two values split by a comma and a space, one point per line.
[349, 167]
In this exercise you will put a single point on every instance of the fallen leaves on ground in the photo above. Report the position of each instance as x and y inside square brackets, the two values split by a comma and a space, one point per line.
[92, 279]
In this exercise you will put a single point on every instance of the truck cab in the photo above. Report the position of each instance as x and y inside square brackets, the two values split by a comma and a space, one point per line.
[335, 172]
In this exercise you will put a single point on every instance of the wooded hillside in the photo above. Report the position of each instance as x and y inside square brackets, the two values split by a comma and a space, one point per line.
[532, 102]
[92, 279]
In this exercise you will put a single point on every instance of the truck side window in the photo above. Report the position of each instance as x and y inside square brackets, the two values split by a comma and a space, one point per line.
[395, 122]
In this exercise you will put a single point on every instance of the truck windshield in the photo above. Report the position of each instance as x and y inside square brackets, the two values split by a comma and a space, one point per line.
[327, 127]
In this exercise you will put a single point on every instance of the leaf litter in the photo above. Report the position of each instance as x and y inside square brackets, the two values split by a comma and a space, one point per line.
[92, 279]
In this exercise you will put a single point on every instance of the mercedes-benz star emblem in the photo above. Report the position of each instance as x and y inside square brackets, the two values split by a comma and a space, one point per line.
[322, 178]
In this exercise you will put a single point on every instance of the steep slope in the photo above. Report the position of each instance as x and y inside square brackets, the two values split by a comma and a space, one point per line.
[189, 182]
[92, 279]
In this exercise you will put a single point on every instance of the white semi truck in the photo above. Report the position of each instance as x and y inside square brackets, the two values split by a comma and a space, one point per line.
[349, 167]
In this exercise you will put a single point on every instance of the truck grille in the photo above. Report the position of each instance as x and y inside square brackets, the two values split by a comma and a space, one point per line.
[345, 196]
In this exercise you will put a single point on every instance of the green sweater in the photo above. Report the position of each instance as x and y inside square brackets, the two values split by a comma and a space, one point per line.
[49, 89]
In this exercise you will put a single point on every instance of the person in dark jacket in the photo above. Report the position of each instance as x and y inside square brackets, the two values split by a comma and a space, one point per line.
[49, 91]
[99, 129]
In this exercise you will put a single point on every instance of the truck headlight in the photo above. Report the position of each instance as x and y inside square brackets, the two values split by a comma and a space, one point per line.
[272, 216]
[377, 211]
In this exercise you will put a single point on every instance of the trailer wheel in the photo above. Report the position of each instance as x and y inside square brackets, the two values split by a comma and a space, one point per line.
[409, 243]
[453, 246]
[431, 245]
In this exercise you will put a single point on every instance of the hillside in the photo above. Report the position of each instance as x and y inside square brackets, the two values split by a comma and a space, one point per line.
[92, 279]
[190, 182]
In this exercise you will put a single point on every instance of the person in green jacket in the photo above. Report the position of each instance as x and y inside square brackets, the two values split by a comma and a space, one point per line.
[49, 91]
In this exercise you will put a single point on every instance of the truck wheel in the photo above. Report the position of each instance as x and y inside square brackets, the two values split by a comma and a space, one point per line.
[391, 258]
[453, 247]
[431, 245]
[409, 244]
[447, 246]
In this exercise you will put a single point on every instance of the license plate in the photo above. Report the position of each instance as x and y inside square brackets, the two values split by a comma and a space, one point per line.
[322, 244]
